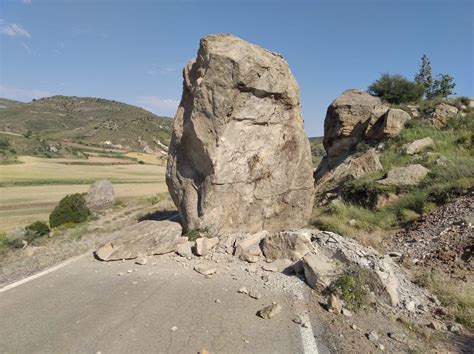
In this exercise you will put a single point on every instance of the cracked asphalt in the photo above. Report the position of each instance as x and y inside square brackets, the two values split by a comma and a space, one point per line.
[161, 307]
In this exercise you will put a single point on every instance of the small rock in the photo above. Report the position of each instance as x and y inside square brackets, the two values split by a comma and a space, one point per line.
[217, 301]
[264, 278]
[269, 311]
[399, 337]
[301, 322]
[185, 249]
[381, 347]
[142, 260]
[204, 245]
[455, 328]
[120, 274]
[334, 304]
[410, 306]
[346, 312]
[205, 269]
[129, 271]
[372, 336]
[437, 326]
[174, 328]
[352, 222]
[243, 290]
[251, 269]
[354, 327]
[270, 267]
[255, 295]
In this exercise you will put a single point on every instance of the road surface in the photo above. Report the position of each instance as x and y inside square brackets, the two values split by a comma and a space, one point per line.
[85, 306]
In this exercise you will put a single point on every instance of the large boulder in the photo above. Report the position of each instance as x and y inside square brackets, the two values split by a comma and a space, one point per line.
[239, 160]
[100, 195]
[441, 113]
[419, 145]
[292, 245]
[146, 238]
[389, 125]
[348, 119]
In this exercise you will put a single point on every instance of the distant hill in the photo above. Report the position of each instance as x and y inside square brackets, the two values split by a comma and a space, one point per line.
[50, 125]
[6, 103]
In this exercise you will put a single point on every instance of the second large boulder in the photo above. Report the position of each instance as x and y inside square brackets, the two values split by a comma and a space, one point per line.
[239, 160]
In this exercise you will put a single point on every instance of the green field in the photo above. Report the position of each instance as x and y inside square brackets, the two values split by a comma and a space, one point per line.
[29, 190]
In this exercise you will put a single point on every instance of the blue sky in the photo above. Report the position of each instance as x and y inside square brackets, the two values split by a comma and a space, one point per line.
[134, 50]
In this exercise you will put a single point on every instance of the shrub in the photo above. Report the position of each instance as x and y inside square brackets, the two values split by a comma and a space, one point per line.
[361, 192]
[71, 209]
[35, 230]
[396, 89]
[4, 144]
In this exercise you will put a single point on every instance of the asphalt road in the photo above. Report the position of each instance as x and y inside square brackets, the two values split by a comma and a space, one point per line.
[166, 307]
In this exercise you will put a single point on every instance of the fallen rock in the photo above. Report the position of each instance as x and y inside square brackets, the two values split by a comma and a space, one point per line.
[455, 328]
[441, 113]
[204, 245]
[287, 244]
[248, 249]
[346, 312]
[410, 175]
[399, 337]
[100, 195]
[205, 269]
[243, 290]
[389, 125]
[328, 178]
[269, 311]
[334, 304]
[437, 326]
[142, 260]
[185, 249]
[373, 336]
[319, 270]
[419, 145]
[349, 117]
[146, 238]
[239, 159]
[255, 295]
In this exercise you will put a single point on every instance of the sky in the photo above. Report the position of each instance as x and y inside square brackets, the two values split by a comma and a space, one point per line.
[134, 50]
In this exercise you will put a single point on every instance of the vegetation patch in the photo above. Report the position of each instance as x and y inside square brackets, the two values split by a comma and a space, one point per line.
[71, 209]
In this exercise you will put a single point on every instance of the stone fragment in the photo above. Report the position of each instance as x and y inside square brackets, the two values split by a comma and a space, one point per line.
[146, 238]
[249, 248]
[346, 312]
[437, 326]
[100, 195]
[373, 336]
[239, 159]
[287, 244]
[319, 270]
[142, 260]
[455, 328]
[410, 175]
[204, 245]
[255, 295]
[441, 113]
[243, 290]
[205, 269]
[419, 145]
[185, 249]
[334, 304]
[269, 311]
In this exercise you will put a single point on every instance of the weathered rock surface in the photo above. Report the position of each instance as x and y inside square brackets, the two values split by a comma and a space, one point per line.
[287, 244]
[440, 115]
[353, 166]
[100, 195]
[249, 249]
[320, 270]
[419, 145]
[204, 245]
[239, 160]
[389, 125]
[410, 175]
[146, 238]
[269, 311]
[348, 119]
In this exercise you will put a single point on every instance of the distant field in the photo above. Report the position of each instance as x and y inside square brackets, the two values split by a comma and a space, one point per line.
[31, 189]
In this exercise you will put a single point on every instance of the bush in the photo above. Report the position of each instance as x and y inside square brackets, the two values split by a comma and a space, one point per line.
[361, 192]
[35, 230]
[71, 209]
[396, 89]
[4, 144]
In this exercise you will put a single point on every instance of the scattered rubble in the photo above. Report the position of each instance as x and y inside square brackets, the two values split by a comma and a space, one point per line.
[204, 245]
[205, 269]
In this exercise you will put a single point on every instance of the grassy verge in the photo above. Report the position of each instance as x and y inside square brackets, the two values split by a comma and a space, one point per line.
[49, 182]
[451, 165]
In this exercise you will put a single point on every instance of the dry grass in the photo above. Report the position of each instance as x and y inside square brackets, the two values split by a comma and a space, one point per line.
[147, 158]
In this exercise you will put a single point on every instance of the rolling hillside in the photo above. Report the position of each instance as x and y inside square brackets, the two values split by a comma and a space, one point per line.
[61, 125]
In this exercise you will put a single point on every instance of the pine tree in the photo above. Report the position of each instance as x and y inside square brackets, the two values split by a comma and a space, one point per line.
[443, 86]
[424, 76]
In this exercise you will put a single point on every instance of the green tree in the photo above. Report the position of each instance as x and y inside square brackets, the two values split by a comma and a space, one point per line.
[443, 86]
[396, 89]
[424, 76]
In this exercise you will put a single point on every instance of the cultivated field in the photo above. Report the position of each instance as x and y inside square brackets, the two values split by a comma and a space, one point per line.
[31, 189]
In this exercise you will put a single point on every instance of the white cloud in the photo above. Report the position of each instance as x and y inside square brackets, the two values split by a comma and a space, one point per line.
[19, 94]
[157, 105]
[13, 29]
[26, 47]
